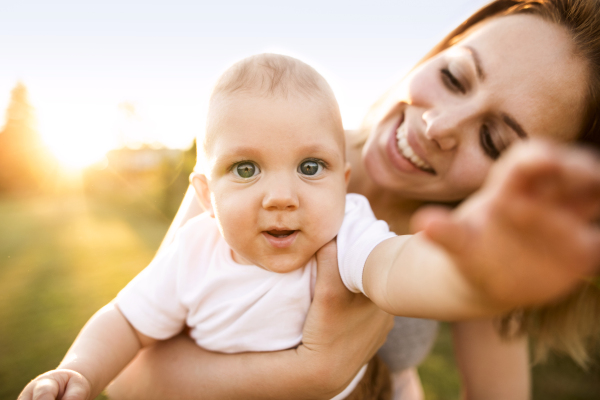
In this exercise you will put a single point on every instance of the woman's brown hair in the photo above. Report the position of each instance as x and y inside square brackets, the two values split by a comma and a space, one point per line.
[571, 325]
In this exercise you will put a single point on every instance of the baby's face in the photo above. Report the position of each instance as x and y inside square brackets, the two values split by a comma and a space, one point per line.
[277, 178]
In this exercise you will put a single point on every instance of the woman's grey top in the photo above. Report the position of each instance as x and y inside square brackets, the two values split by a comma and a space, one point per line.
[408, 343]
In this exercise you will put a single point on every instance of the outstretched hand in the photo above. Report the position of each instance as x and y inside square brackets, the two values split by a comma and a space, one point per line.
[60, 384]
[528, 236]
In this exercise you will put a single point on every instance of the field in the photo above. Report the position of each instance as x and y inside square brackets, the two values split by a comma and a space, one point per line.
[65, 256]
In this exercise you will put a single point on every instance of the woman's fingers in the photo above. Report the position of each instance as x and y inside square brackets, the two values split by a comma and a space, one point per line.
[339, 320]
[329, 282]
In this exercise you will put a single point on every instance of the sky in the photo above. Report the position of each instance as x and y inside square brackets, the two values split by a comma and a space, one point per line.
[104, 74]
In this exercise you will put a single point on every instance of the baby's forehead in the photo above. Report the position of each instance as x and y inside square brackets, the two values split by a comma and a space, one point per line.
[291, 120]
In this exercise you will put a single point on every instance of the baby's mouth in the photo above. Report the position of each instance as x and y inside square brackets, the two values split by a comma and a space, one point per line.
[280, 233]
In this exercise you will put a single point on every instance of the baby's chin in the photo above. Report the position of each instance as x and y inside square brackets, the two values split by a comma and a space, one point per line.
[282, 264]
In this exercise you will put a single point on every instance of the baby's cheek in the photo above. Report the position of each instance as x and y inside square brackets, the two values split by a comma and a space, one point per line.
[331, 221]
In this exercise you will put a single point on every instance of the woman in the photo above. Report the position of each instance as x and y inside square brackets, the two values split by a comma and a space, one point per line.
[515, 69]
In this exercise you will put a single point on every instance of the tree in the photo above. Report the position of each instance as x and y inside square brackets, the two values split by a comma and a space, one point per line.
[23, 157]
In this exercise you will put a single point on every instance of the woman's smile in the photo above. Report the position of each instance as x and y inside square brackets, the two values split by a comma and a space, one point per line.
[400, 153]
[407, 150]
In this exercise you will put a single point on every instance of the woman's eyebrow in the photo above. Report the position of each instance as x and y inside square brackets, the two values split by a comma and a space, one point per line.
[514, 125]
[477, 62]
[508, 120]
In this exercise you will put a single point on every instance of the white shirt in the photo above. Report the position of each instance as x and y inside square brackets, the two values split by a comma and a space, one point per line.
[231, 307]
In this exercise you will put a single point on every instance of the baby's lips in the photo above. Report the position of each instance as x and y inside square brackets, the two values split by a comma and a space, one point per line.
[280, 232]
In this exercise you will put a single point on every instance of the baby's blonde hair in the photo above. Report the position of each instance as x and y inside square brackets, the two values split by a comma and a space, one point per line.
[271, 75]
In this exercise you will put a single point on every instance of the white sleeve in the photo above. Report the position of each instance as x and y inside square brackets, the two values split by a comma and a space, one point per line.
[359, 234]
[150, 302]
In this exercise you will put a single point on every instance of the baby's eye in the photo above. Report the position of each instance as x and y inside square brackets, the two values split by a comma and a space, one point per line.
[246, 169]
[310, 167]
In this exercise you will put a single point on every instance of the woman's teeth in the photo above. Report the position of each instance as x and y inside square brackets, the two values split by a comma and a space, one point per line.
[407, 151]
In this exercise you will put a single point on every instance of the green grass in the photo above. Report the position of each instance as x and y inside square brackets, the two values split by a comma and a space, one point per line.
[63, 257]
[438, 372]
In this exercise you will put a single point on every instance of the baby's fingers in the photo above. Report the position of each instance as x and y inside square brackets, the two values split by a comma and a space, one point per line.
[76, 391]
[46, 389]
[568, 177]
[440, 227]
[58, 384]
[40, 389]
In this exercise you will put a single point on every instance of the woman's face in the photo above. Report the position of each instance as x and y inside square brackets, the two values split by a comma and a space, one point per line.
[510, 78]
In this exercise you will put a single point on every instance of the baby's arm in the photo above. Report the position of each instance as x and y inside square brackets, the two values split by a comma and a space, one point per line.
[525, 238]
[105, 345]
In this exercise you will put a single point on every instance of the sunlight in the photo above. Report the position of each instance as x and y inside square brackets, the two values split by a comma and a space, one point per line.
[74, 156]
[78, 135]
[76, 151]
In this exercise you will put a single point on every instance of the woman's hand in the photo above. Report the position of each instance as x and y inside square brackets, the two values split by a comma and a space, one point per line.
[527, 237]
[342, 332]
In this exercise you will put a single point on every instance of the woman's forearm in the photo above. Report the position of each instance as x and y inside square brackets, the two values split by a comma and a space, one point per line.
[491, 367]
[180, 369]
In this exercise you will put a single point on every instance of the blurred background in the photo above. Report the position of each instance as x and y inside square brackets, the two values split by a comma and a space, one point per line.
[101, 102]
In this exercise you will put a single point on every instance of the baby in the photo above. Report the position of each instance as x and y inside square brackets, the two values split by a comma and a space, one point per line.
[241, 275]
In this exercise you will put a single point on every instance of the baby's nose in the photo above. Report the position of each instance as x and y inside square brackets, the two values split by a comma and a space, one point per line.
[281, 195]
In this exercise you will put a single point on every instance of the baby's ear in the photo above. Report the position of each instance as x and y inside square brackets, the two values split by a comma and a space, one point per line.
[347, 170]
[200, 183]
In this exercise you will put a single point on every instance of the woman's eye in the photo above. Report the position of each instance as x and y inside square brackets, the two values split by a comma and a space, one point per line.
[487, 143]
[451, 81]
[246, 170]
[310, 167]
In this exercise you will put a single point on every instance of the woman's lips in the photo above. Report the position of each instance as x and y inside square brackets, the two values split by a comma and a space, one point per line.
[280, 238]
[397, 159]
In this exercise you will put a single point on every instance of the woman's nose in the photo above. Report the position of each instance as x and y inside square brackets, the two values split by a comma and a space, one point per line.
[280, 195]
[442, 128]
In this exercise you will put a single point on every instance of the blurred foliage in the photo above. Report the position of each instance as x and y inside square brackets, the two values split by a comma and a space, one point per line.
[24, 160]
[146, 180]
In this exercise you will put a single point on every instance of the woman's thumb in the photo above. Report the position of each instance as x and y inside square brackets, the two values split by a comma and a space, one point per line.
[329, 283]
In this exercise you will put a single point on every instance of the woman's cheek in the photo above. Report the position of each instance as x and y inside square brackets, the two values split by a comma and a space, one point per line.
[470, 176]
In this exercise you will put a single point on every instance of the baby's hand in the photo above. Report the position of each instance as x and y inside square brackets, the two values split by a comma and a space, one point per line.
[528, 236]
[60, 384]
